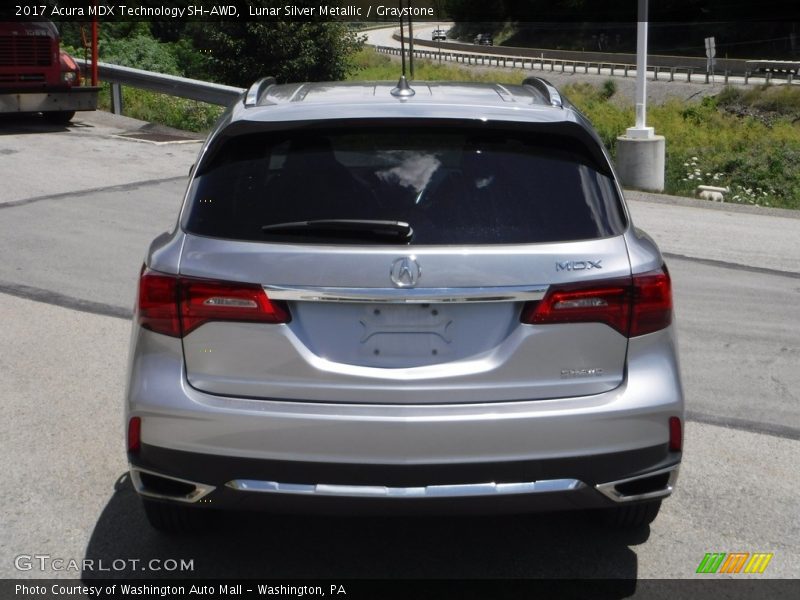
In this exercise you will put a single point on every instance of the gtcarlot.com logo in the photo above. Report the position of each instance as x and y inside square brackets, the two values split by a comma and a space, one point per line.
[45, 562]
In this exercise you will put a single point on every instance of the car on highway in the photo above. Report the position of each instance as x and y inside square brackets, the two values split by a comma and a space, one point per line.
[483, 39]
[439, 34]
[403, 299]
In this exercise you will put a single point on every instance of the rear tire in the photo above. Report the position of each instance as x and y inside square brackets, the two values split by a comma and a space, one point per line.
[632, 516]
[59, 118]
[175, 518]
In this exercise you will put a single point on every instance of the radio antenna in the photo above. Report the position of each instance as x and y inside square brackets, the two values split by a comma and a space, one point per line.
[410, 41]
[402, 89]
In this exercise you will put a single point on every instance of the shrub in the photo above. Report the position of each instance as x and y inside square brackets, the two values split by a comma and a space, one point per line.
[609, 88]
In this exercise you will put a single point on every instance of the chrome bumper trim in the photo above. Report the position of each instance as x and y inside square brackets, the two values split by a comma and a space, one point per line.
[430, 491]
[407, 295]
[200, 489]
[609, 489]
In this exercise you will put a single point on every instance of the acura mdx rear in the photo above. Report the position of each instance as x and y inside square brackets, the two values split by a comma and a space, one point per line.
[394, 301]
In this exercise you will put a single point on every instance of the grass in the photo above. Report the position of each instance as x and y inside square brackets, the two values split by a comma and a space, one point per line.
[188, 115]
[372, 66]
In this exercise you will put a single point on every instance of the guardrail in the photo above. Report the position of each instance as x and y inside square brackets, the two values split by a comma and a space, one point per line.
[172, 85]
[559, 65]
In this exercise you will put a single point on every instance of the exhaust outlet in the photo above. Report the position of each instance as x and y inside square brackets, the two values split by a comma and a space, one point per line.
[658, 484]
[164, 487]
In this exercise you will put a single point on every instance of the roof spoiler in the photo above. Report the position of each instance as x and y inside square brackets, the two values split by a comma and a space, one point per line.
[256, 90]
[545, 88]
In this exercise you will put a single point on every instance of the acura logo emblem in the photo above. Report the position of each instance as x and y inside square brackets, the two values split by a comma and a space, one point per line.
[405, 272]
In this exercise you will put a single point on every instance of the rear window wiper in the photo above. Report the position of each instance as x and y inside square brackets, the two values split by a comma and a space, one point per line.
[396, 231]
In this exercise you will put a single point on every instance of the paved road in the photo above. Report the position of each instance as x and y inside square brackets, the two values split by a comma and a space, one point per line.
[67, 284]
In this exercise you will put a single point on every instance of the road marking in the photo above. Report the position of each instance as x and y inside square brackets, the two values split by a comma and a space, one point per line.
[110, 188]
[47, 297]
[730, 265]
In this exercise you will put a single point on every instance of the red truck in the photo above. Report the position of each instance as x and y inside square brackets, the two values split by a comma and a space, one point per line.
[37, 76]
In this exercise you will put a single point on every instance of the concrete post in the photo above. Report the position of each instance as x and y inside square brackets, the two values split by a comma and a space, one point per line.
[641, 162]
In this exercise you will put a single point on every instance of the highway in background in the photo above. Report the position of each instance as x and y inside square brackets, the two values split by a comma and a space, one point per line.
[384, 37]
[79, 206]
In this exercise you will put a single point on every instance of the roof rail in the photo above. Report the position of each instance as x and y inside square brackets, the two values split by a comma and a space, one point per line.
[255, 91]
[546, 88]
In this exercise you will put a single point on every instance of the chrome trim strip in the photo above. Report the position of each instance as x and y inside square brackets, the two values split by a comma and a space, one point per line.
[200, 489]
[430, 491]
[609, 489]
[406, 295]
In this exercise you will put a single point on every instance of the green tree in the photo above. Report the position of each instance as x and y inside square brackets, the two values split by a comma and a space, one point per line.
[242, 51]
[141, 51]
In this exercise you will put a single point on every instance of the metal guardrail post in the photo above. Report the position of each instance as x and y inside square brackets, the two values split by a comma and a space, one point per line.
[689, 74]
[769, 77]
[727, 73]
[746, 77]
[626, 70]
[116, 98]
[655, 73]
[672, 73]
[599, 65]
[708, 77]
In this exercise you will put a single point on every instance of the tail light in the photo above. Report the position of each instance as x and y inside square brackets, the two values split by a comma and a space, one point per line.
[176, 306]
[675, 435]
[632, 306]
[134, 434]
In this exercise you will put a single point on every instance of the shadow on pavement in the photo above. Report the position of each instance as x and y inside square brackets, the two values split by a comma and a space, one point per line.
[259, 545]
[18, 123]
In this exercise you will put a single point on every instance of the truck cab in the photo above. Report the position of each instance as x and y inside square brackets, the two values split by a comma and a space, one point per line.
[37, 76]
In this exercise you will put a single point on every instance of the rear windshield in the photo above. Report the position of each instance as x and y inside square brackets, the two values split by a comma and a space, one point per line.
[449, 186]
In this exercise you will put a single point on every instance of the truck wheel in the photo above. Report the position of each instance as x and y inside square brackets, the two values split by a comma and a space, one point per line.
[60, 118]
[632, 516]
[174, 518]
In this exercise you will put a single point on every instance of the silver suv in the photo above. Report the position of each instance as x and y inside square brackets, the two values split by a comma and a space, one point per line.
[403, 300]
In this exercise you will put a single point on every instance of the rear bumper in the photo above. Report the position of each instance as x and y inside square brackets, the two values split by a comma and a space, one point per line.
[80, 98]
[177, 416]
[522, 486]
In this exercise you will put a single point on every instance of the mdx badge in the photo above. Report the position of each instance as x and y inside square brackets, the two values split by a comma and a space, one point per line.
[579, 265]
[405, 272]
